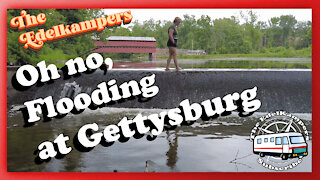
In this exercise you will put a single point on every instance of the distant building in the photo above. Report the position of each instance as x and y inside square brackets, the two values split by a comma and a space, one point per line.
[127, 44]
[196, 52]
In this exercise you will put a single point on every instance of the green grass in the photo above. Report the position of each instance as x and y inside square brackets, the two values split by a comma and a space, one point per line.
[249, 64]
[265, 52]
[259, 55]
[59, 65]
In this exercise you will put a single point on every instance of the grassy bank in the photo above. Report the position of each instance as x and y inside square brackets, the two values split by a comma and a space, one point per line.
[214, 60]
[279, 52]
[247, 64]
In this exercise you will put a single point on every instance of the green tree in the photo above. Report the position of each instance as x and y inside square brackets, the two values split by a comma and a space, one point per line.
[204, 34]
[302, 34]
[287, 24]
[229, 36]
[252, 28]
[62, 49]
[274, 33]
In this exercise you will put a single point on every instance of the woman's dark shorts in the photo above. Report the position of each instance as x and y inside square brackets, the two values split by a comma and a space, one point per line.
[170, 44]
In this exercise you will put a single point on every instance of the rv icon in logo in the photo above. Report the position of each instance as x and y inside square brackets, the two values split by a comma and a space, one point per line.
[286, 145]
[278, 138]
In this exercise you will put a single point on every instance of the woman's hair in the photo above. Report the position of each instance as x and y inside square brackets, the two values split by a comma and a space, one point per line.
[176, 19]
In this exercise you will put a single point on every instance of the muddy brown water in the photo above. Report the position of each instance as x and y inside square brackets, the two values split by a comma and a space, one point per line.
[220, 144]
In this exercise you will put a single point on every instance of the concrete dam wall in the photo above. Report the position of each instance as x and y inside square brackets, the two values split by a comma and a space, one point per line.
[288, 90]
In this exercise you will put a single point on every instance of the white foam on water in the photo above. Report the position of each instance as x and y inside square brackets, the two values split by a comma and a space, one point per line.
[113, 110]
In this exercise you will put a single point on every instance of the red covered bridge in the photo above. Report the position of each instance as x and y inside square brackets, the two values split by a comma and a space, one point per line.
[127, 44]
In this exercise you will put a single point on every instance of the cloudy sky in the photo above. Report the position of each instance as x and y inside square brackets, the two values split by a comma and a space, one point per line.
[169, 14]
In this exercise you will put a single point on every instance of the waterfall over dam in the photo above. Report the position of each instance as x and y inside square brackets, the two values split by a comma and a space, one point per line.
[278, 89]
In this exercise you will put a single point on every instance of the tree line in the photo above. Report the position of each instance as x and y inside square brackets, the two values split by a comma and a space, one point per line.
[228, 35]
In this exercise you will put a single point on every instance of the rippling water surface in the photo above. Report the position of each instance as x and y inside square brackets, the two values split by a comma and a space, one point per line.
[220, 144]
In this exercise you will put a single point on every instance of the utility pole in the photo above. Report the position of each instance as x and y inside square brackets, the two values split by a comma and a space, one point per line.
[192, 44]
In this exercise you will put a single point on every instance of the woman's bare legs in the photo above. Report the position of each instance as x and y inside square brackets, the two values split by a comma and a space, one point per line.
[173, 52]
[175, 60]
[169, 59]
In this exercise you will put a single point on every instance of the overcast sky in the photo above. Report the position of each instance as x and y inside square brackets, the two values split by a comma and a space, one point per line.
[169, 14]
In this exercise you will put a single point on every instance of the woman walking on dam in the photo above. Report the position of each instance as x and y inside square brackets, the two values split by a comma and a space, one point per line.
[172, 43]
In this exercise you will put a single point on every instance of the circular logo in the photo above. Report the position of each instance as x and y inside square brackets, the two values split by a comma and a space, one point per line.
[280, 140]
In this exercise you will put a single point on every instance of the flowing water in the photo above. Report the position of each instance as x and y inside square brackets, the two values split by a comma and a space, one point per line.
[220, 144]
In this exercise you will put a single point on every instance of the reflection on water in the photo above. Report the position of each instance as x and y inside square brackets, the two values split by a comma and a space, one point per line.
[220, 144]
[173, 148]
